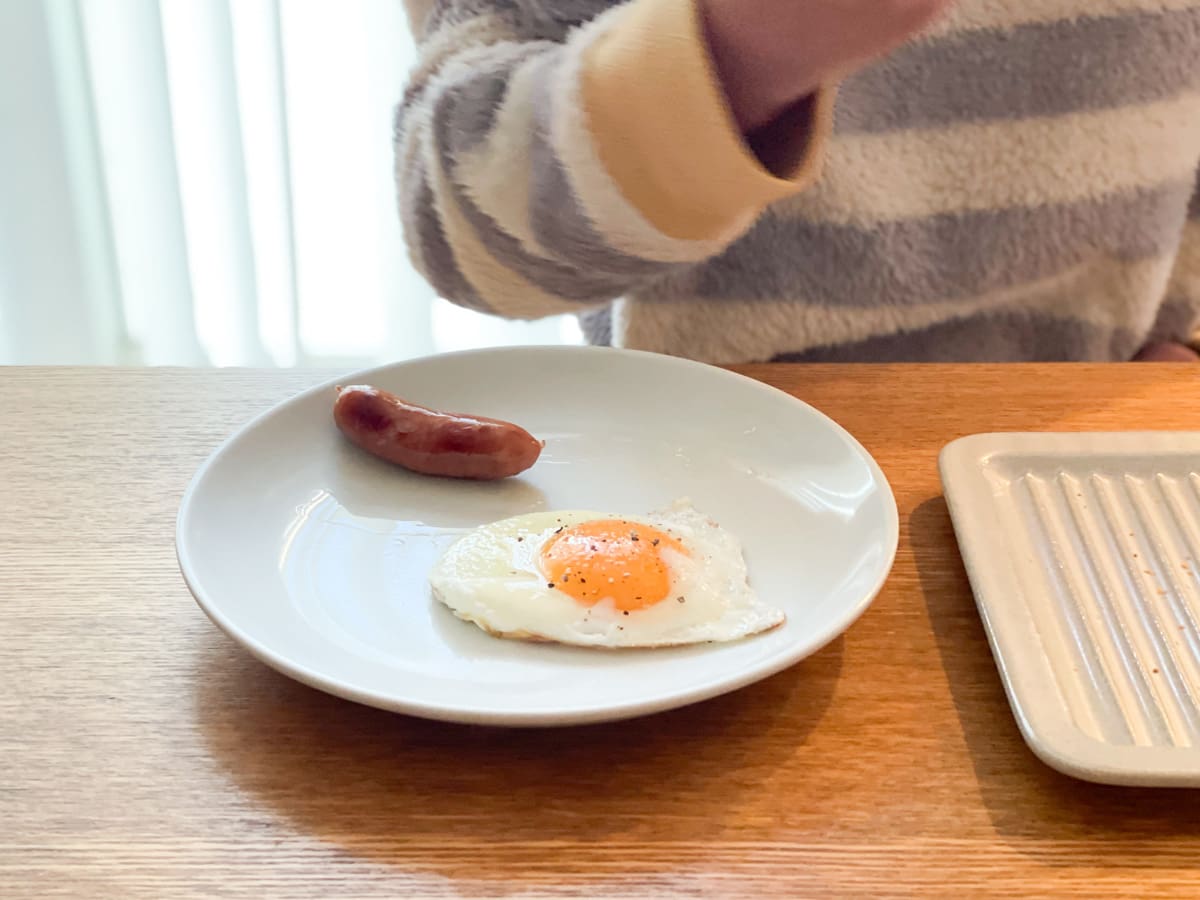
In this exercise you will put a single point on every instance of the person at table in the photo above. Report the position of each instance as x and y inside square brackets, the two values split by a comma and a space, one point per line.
[745, 180]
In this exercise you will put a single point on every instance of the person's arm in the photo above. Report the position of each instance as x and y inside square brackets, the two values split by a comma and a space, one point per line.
[544, 167]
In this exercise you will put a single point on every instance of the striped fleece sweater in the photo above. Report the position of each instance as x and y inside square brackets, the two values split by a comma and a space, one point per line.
[1019, 183]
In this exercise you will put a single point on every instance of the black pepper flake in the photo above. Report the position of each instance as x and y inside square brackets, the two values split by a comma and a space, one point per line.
[654, 543]
[519, 538]
[627, 611]
[593, 548]
[680, 600]
[620, 628]
[633, 536]
[582, 580]
[560, 529]
[549, 584]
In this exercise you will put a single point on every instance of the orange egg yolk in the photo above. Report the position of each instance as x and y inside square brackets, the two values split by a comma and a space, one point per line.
[610, 558]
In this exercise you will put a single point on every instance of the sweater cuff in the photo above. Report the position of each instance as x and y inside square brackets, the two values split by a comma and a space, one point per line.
[664, 131]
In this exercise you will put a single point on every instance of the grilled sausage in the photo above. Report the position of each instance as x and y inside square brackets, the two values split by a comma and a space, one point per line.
[432, 442]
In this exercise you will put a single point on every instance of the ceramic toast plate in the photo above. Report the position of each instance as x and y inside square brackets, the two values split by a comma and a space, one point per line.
[1083, 552]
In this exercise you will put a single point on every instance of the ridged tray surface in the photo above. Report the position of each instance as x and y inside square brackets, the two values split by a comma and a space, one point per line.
[1083, 552]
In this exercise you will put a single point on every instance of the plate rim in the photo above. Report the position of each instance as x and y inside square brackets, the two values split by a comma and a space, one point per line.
[517, 717]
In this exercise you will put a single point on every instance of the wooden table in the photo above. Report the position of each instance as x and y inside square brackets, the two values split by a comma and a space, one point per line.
[142, 754]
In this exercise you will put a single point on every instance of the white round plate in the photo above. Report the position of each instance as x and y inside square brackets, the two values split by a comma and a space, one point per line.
[314, 556]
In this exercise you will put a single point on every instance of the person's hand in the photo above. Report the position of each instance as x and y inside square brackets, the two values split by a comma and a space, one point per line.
[771, 53]
[1167, 351]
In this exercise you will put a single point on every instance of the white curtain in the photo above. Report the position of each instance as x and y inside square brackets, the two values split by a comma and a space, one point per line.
[209, 182]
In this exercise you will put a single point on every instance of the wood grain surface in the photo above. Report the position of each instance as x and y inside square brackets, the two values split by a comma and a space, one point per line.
[143, 755]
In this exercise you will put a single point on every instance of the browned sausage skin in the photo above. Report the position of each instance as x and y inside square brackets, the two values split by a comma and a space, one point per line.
[432, 442]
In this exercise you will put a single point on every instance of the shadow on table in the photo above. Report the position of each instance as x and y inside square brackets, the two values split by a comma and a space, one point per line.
[390, 787]
[1025, 798]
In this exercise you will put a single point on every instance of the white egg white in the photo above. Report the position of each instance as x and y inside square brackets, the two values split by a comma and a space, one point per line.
[491, 577]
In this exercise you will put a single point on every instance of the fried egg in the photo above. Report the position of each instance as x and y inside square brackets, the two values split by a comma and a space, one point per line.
[599, 580]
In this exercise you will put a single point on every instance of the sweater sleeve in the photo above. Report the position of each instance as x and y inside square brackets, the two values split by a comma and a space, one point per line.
[545, 167]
